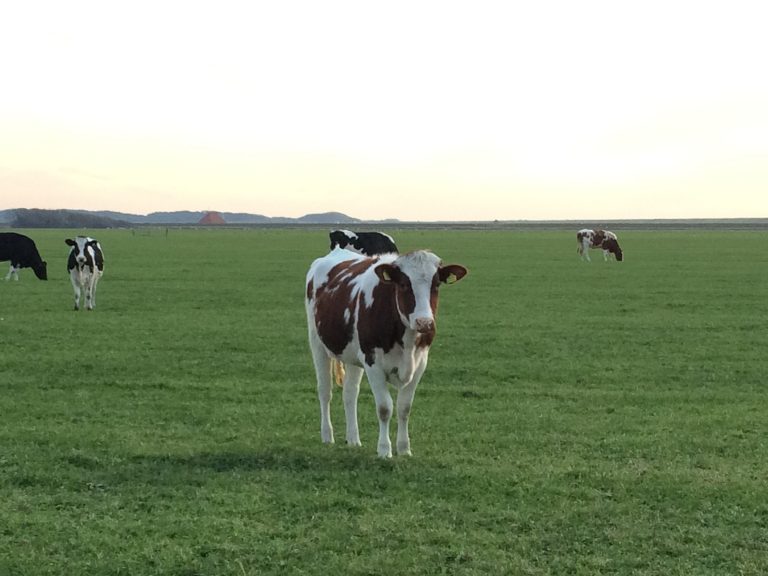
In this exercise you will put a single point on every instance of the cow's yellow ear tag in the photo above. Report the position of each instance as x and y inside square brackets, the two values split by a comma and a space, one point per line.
[386, 276]
[451, 278]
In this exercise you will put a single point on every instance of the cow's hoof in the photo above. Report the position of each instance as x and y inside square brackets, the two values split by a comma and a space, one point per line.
[385, 452]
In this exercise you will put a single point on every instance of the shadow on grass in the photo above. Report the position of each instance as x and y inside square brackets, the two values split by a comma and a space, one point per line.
[332, 462]
[289, 458]
[277, 458]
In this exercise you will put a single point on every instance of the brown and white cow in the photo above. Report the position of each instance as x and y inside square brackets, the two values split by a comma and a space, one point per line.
[586, 239]
[377, 316]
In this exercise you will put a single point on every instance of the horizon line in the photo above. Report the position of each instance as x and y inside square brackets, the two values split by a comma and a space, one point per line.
[398, 220]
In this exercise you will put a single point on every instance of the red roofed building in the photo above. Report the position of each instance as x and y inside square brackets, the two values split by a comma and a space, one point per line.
[212, 218]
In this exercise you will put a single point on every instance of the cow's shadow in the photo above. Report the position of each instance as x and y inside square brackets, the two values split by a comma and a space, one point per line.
[229, 461]
[198, 468]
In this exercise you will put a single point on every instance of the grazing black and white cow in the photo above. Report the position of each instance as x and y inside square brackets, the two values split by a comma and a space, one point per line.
[586, 239]
[21, 251]
[377, 316]
[368, 243]
[85, 266]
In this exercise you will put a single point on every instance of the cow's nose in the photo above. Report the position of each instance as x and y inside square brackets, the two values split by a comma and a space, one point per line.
[424, 325]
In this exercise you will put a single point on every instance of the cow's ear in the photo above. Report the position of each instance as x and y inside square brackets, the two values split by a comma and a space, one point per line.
[388, 272]
[452, 273]
[69, 242]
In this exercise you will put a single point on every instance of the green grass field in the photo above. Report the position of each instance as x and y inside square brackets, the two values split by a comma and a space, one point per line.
[576, 418]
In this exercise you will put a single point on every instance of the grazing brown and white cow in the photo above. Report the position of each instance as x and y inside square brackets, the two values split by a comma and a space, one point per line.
[85, 266]
[586, 239]
[377, 316]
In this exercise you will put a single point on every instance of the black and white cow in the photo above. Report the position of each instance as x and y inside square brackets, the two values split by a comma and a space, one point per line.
[85, 266]
[21, 251]
[368, 243]
[377, 316]
[586, 239]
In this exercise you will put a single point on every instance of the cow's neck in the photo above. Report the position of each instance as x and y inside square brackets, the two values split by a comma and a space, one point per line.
[410, 358]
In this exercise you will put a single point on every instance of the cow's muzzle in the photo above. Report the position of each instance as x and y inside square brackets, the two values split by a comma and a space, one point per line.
[424, 325]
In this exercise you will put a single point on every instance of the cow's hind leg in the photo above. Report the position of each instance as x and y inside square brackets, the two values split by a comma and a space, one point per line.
[352, 378]
[324, 387]
[583, 250]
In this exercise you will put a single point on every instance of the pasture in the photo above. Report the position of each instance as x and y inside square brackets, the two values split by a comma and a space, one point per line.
[575, 418]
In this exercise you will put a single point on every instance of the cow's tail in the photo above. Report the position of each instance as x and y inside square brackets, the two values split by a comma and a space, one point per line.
[337, 370]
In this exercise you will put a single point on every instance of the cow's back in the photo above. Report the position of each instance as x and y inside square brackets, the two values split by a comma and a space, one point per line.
[366, 243]
[14, 245]
[338, 285]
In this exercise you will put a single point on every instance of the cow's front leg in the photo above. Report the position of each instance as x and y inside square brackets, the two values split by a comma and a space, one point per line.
[404, 403]
[378, 382]
[93, 293]
[354, 375]
[77, 296]
[89, 296]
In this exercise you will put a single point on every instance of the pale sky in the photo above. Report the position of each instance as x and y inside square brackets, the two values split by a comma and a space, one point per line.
[417, 110]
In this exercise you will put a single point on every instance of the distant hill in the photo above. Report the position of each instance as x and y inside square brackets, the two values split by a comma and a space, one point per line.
[328, 218]
[35, 218]
[188, 217]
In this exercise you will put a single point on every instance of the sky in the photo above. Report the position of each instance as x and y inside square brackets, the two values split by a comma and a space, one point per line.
[416, 110]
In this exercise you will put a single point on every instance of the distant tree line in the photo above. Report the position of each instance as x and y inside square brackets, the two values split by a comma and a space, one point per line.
[35, 218]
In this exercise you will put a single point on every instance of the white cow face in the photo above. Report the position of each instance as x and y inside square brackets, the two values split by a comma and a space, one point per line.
[85, 252]
[78, 251]
[80, 245]
[417, 277]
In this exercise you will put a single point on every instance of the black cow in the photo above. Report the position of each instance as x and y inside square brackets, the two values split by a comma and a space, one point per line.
[22, 253]
[367, 243]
